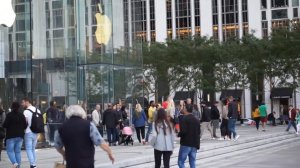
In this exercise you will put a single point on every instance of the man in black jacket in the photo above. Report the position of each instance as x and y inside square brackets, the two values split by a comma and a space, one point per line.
[205, 120]
[110, 120]
[232, 115]
[215, 116]
[189, 137]
[52, 119]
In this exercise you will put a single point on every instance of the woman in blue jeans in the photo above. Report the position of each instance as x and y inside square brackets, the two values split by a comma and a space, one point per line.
[15, 124]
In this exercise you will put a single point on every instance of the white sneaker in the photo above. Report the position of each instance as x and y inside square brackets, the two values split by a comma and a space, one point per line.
[236, 138]
[221, 139]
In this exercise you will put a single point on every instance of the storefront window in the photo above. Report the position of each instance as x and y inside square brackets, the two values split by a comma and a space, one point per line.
[51, 58]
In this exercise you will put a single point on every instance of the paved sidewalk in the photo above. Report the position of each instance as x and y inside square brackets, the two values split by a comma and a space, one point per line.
[47, 157]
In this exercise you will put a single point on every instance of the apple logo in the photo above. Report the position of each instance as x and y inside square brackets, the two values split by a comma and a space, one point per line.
[7, 14]
[104, 27]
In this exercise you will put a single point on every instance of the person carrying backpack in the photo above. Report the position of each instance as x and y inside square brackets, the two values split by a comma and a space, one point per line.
[35, 123]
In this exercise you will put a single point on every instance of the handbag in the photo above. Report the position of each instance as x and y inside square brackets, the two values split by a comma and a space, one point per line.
[59, 165]
[2, 133]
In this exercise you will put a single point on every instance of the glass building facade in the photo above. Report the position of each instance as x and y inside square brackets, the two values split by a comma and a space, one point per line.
[71, 51]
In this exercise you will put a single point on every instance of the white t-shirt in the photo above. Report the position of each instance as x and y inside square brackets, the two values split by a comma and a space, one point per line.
[28, 116]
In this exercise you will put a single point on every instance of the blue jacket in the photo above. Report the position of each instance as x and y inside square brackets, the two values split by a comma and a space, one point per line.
[139, 121]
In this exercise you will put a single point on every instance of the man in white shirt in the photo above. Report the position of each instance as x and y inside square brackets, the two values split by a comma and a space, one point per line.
[97, 117]
[30, 137]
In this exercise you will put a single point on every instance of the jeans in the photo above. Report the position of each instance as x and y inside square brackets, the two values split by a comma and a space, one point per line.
[166, 158]
[206, 125]
[231, 127]
[100, 129]
[52, 128]
[117, 133]
[149, 131]
[185, 152]
[139, 131]
[13, 149]
[215, 126]
[111, 135]
[30, 144]
[291, 123]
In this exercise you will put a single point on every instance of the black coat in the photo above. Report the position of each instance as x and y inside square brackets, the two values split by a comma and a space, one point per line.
[205, 117]
[214, 113]
[110, 118]
[79, 147]
[189, 131]
[15, 124]
[233, 110]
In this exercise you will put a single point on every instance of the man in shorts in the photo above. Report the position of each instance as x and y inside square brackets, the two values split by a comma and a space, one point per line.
[263, 115]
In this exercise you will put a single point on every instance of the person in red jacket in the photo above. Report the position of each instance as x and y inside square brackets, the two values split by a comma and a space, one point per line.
[292, 118]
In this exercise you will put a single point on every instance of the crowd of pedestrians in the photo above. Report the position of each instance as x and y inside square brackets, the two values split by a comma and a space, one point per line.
[80, 129]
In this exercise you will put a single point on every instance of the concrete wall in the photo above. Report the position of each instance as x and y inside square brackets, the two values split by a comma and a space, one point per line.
[160, 20]
[206, 18]
[254, 16]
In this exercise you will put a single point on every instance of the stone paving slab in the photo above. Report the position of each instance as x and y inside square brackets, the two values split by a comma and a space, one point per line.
[47, 157]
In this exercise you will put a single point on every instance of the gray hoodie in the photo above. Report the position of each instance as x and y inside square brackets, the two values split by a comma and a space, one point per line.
[162, 142]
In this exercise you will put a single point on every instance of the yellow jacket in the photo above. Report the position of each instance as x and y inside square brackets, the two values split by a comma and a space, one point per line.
[151, 112]
[255, 113]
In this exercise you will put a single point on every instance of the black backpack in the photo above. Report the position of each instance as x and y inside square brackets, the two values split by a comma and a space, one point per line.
[37, 122]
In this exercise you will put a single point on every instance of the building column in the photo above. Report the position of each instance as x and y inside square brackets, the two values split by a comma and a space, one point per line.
[129, 23]
[206, 24]
[173, 19]
[51, 31]
[89, 26]
[240, 14]
[148, 20]
[38, 31]
[192, 2]
[160, 20]
[254, 15]
[220, 21]
[269, 17]
[117, 24]
[290, 10]
[248, 103]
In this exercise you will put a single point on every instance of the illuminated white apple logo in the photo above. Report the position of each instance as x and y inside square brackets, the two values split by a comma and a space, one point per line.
[7, 14]
[104, 27]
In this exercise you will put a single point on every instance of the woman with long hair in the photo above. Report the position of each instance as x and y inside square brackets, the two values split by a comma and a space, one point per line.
[15, 124]
[224, 123]
[162, 139]
[139, 120]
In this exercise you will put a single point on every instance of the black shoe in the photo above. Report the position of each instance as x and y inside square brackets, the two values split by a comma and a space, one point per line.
[32, 166]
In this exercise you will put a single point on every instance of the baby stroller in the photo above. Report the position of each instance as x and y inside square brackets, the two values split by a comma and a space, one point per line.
[126, 136]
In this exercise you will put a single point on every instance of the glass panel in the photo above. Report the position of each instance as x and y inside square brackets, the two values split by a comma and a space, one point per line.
[263, 4]
[295, 12]
[279, 14]
[295, 2]
[87, 62]
[279, 3]
[263, 15]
